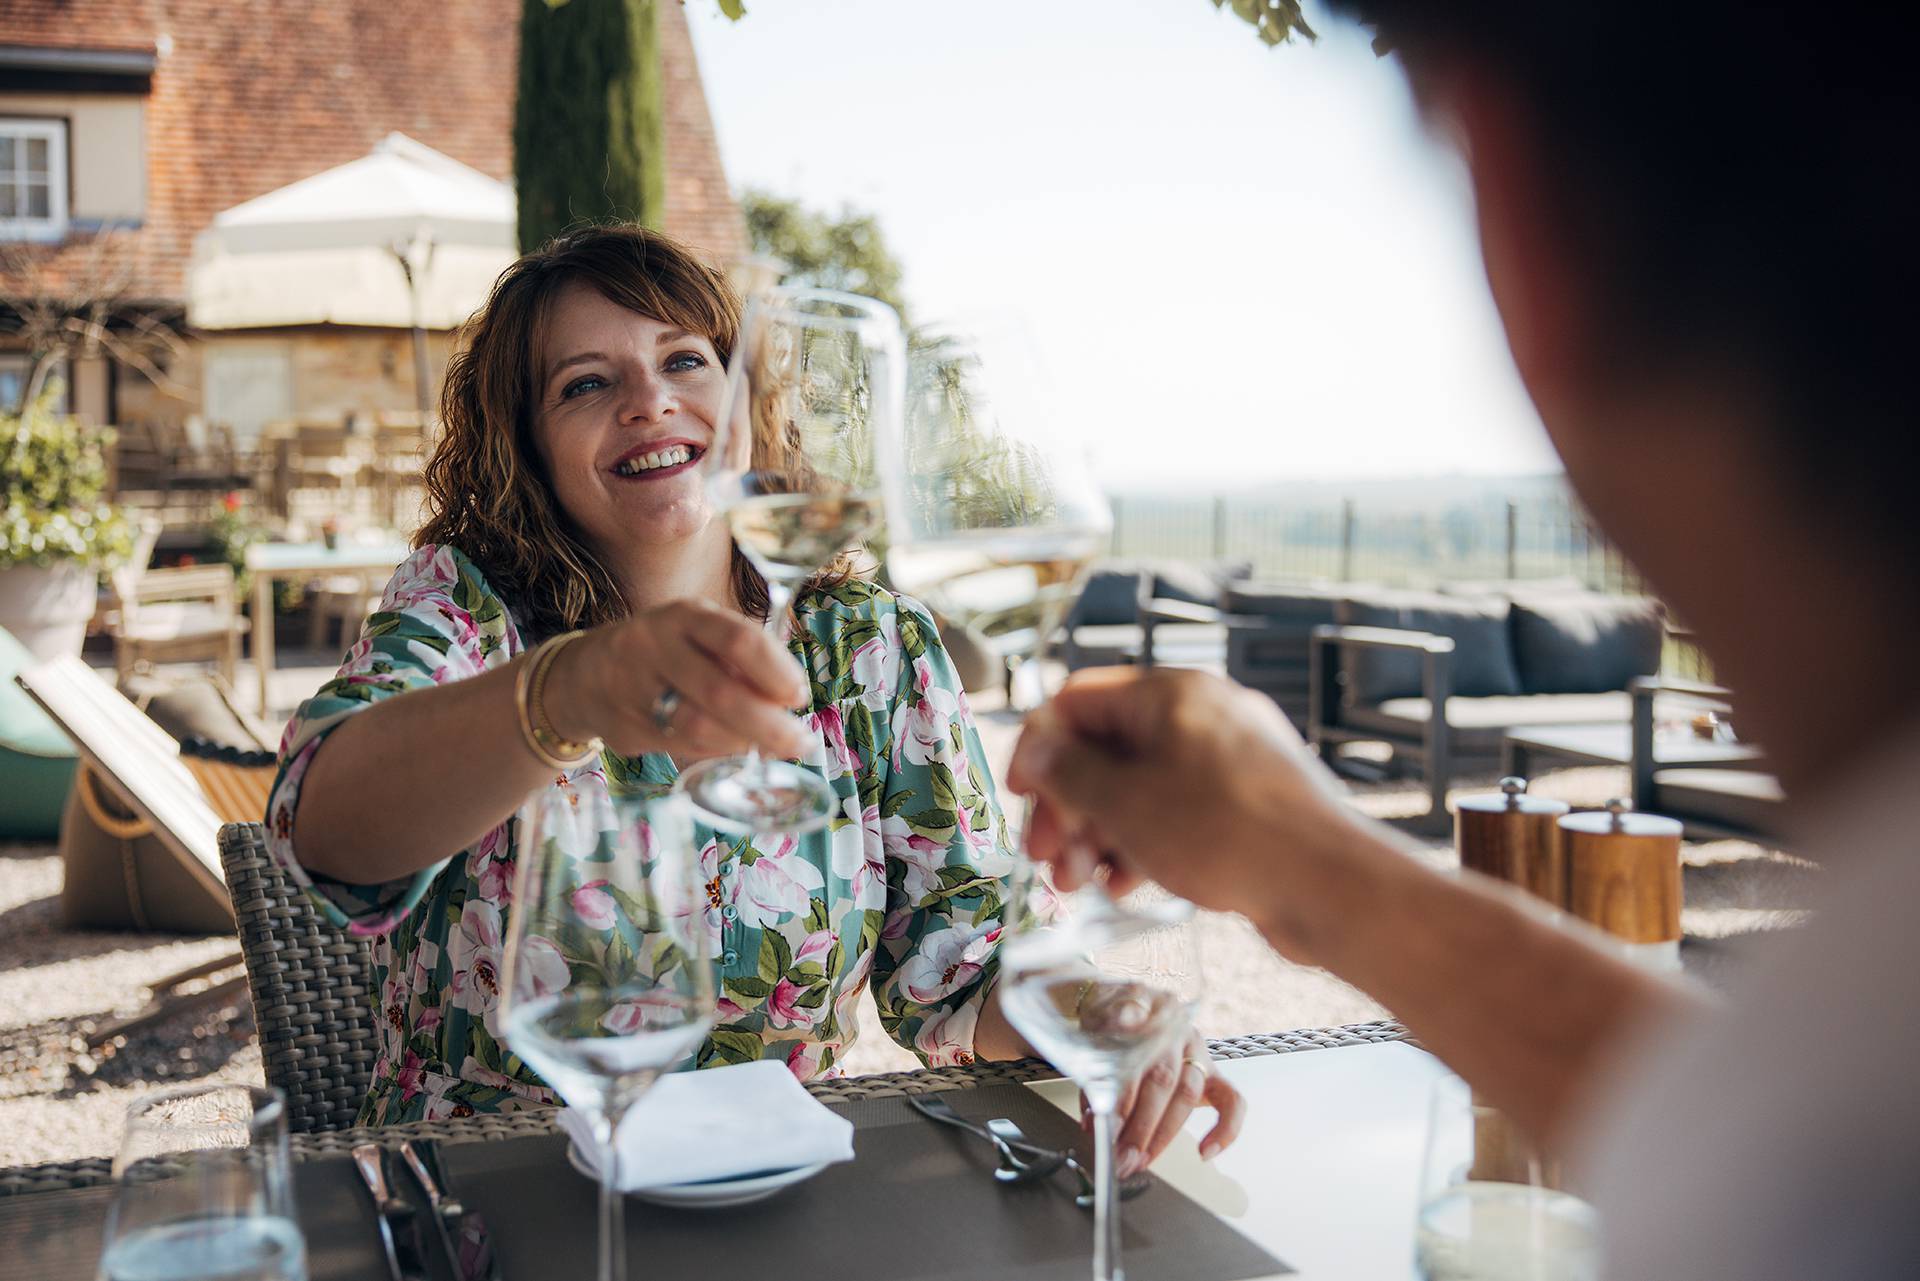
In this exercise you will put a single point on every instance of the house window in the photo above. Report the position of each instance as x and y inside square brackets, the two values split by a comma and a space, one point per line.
[33, 179]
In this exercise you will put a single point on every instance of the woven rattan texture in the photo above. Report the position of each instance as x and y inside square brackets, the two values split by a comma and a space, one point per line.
[312, 988]
[474, 1129]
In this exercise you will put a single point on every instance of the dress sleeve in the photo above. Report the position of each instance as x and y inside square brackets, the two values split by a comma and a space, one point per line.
[948, 860]
[437, 622]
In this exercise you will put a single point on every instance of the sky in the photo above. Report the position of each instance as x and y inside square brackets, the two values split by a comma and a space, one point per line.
[1238, 265]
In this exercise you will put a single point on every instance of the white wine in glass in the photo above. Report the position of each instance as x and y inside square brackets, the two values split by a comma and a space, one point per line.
[814, 388]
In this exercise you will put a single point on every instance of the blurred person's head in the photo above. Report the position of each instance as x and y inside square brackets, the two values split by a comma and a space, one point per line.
[574, 416]
[1698, 226]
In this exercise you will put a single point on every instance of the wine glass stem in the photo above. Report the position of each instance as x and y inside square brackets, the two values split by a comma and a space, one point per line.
[613, 1203]
[1104, 1102]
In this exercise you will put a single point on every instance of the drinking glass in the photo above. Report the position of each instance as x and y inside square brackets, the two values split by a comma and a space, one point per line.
[993, 515]
[1101, 989]
[1492, 1205]
[204, 1190]
[812, 403]
[608, 974]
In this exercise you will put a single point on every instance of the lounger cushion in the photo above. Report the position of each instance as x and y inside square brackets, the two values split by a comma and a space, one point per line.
[1586, 643]
[1482, 661]
[36, 760]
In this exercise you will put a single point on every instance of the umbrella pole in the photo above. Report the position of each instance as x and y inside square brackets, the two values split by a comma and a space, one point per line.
[422, 392]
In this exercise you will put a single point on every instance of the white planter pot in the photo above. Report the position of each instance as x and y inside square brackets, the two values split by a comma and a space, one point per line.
[47, 610]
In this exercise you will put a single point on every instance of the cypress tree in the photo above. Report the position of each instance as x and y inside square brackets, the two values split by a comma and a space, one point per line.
[587, 128]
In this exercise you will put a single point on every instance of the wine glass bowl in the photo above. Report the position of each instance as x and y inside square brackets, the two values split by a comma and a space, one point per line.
[608, 976]
[812, 409]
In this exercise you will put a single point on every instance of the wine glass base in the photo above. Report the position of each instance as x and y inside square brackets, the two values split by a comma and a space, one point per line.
[760, 795]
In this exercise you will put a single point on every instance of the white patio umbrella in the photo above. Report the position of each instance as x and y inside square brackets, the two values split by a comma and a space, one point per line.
[403, 237]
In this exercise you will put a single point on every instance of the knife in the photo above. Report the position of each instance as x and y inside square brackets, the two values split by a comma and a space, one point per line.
[463, 1232]
[399, 1230]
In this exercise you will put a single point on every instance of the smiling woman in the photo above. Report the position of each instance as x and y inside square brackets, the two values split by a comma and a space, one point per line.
[574, 617]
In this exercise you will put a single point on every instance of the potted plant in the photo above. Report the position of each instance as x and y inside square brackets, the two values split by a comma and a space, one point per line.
[56, 529]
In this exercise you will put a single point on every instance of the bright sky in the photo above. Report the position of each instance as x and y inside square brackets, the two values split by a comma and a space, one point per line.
[1239, 264]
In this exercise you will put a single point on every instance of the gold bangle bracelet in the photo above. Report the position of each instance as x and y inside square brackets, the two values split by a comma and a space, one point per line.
[529, 691]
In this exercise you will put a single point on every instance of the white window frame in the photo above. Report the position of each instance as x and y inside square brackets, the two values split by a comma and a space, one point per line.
[52, 227]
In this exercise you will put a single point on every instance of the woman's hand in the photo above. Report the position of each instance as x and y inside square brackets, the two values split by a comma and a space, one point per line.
[737, 686]
[1161, 1099]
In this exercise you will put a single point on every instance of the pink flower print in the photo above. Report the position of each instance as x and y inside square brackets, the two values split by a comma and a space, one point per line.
[839, 759]
[471, 1069]
[716, 893]
[947, 1038]
[429, 1019]
[783, 1009]
[495, 882]
[422, 574]
[922, 729]
[815, 948]
[803, 1059]
[475, 956]
[593, 905]
[776, 886]
[987, 856]
[876, 665]
[543, 970]
[408, 1078]
[948, 960]
[857, 854]
[726, 1011]
[639, 1013]
[921, 855]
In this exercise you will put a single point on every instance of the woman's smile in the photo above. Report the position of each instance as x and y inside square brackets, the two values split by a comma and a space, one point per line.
[655, 460]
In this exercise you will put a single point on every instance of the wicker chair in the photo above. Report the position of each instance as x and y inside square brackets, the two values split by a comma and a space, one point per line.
[313, 1000]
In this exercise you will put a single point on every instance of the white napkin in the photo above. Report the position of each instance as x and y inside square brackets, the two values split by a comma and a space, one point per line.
[718, 1123]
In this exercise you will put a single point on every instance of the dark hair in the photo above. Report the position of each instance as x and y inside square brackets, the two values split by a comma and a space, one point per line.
[1740, 176]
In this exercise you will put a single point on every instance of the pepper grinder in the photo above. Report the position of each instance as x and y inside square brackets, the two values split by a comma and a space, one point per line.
[1623, 875]
[1514, 837]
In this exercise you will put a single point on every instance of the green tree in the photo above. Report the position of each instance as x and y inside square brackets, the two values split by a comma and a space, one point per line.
[587, 121]
[1277, 21]
[845, 251]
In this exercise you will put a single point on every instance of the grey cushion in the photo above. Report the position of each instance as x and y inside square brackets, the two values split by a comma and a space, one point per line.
[1310, 605]
[1197, 584]
[1584, 644]
[1482, 663]
[1744, 800]
[1110, 597]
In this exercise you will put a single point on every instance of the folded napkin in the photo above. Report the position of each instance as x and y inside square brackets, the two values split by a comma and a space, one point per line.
[719, 1123]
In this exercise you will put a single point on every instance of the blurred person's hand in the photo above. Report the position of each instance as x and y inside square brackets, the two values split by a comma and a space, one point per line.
[1182, 777]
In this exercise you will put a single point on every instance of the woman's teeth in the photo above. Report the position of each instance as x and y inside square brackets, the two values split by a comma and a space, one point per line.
[672, 456]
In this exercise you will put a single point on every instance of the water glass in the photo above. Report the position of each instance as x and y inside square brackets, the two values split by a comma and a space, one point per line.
[1493, 1206]
[205, 1190]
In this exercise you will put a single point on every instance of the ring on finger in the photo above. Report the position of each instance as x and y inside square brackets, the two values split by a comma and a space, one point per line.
[664, 706]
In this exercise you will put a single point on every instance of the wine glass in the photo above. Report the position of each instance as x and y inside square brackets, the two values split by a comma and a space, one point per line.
[1101, 989]
[205, 1189]
[993, 516]
[1493, 1206]
[812, 405]
[608, 974]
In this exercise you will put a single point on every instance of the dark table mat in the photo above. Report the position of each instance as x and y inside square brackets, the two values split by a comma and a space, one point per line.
[917, 1203]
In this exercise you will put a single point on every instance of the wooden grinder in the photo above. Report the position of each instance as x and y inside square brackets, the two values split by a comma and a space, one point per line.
[1623, 875]
[1514, 837]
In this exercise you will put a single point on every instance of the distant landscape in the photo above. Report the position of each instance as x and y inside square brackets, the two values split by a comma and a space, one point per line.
[1402, 531]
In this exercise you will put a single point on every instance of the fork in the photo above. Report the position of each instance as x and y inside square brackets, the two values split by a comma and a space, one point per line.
[1008, 1132]
[1021, 1161]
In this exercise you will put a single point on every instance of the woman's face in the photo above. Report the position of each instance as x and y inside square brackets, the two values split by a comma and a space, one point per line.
[627, 407]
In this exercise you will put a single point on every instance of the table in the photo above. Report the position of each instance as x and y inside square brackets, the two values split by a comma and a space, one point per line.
[1612, 744]
[267, 562]
[1324, 1176]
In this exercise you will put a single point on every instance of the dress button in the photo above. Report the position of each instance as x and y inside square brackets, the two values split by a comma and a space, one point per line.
[729, 913]
[728, 957]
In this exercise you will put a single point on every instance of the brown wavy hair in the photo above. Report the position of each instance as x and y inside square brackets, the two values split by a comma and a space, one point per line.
[488, 492]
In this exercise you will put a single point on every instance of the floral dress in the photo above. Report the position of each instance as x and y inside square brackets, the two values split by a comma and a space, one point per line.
[903, 891]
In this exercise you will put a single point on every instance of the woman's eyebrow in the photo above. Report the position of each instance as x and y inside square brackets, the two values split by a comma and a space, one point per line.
[673, 335]
[582, 358]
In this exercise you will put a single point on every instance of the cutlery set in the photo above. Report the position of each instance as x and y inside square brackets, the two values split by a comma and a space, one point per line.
[1021, 1159]
[452, 1245]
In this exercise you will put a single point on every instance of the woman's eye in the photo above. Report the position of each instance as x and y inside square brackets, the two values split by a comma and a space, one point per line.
[579, 385]
[685, 361]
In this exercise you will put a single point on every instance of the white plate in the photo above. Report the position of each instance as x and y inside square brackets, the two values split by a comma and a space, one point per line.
[712, 1193]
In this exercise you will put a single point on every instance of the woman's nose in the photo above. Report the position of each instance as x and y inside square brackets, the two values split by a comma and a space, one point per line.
[647, 399]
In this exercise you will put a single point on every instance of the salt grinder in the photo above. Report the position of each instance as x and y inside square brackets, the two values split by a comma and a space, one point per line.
[1513, 836]
[1623, 875]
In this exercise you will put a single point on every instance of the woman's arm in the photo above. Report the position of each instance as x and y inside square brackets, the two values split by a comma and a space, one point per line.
[415, 777]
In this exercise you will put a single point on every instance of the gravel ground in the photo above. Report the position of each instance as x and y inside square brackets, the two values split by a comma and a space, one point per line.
[60, 1101]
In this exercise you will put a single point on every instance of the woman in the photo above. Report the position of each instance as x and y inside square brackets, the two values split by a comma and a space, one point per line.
[571, 590]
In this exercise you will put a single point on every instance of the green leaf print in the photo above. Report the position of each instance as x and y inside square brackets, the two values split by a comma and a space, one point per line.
[872, 921]
[896, 802]
[747, 990]
[813, 998]
[776, 955]
[943, 797]
[933, 821]
[736, 1047]
[817, 918]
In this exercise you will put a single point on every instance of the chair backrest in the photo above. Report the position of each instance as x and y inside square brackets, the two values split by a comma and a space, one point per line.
[127, 575]
[136, 759]
[313, 994]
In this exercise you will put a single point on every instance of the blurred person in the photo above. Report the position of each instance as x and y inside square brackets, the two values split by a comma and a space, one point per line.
[1699, 235]
[568, 526]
